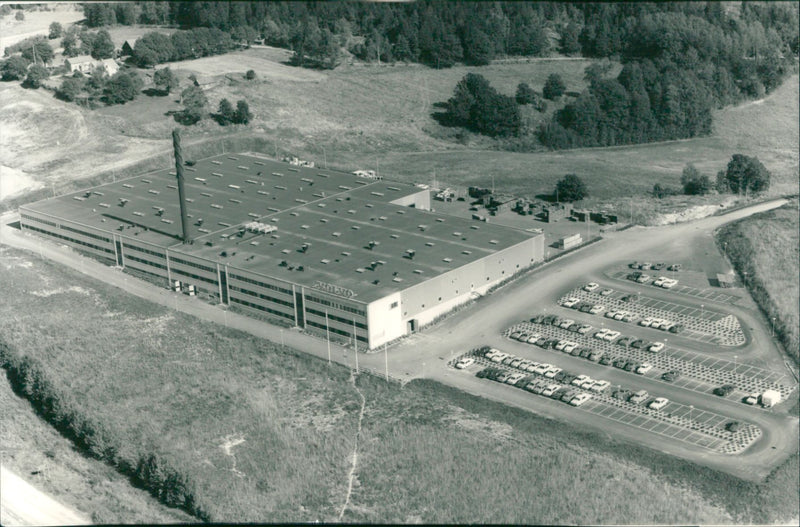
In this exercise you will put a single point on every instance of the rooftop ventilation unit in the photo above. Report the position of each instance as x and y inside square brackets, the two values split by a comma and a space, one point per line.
[259, 228]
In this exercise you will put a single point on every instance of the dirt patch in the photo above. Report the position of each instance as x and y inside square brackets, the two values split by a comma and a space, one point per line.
[36, 22]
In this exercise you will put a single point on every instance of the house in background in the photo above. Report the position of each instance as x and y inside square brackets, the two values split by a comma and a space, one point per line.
[86, 65]
[127, 47]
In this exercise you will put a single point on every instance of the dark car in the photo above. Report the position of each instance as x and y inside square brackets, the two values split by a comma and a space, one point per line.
[606, 360]
[541, 341]
[620, 363]
[585, 353]
[659, 266]
[586, 308]
[537, 319]
[674, 267]
[638, 343]
[560, 376]
[724, 390]
[671, 375]
[631, 365]
[677, 328]
[625, 341]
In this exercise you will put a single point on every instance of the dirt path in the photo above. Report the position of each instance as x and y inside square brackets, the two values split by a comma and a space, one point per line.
[351, 476]
[23, 504]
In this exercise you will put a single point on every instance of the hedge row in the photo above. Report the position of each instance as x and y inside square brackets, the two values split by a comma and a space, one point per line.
[144, 469]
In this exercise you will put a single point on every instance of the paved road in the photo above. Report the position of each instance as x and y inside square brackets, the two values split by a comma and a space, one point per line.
[425, 354]
[23, 504]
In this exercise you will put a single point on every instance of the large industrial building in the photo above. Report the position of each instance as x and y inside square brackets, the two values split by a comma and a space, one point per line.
[322, 249]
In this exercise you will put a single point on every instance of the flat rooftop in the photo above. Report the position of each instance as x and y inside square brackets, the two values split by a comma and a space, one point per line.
[331, 226]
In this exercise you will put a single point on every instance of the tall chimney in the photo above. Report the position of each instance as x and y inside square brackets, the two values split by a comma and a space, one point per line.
[176, 145]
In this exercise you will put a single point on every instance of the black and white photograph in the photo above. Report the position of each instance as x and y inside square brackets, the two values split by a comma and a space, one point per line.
[400, 262]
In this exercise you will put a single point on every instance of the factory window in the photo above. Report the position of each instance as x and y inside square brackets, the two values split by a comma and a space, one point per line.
[261, 296]
[336, 318]
[394, 305]
[84, 233]
[192, 264]
[159, 254]
[262, 308]
[145, 262]
[260, 284]
[92, 246]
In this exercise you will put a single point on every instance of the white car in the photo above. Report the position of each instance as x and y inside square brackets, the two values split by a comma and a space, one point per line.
[611, 335]
[580, 379]
[619, 315]
[524, 365]
[591, 286]
[491, 353]
[643, 279]
[552, 372]
[580, 399]
[596, 309]
[610, 314]
[515, 335]
[655, 347]
[541, 369]
[566, 323]
[533, 338]
[644, 368]
[600, 386]
[587, 384]
[499, 356]
[647, 322]
[669, 283]
[570, 347]
[550, 390]
[570, 302]
[606, 292]
[660, 280]
[513, 379]
[560, 345]
[601, 334]
[751, 399]
[463, 363]
[658, 403]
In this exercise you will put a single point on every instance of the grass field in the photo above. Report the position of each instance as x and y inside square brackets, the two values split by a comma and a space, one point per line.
[766, 247]
[261, 434]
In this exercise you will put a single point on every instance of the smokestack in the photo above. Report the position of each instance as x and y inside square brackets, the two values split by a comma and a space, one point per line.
[176, 145]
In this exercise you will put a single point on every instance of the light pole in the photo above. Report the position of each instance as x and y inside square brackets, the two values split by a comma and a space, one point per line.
[701, 310]
[328, 335]
[773, 326]
[734, 363]
[386, 361]
[324, 156]
[282, 338]
[691, 407]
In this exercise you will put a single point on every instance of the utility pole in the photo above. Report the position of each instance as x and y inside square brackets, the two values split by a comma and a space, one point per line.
[355, 342]
[386, 361]
[328, 335]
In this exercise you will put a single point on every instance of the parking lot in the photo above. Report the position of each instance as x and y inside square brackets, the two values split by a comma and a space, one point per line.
[698, 373]
[696, 292]
[706, 326]
[696, 427]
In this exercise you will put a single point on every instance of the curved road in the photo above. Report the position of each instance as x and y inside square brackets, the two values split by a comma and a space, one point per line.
[425, 354]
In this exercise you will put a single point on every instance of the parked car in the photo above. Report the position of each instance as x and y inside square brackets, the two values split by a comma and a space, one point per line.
[643, 279]
[566, 323]
[514, 378]
[671, 375]
[568, 395]
[606, 360]
[634, 265]
[570, 347]
[621, 394]
[638, 397]
[658, 403]
[669, 283]
[619, 315]
[580, 399]
[638, 343]
[579, 379]
[644, 368]
[503, 376]
[659, 266]
[515, 363]
[606, 292]
[631, 366]
[656, 347]
[508, 360]
[570, 302]
[595, 356]
[645, 322]
[522, 337]
[552, 372]
[611, 335]
[560, 345]
[591, 286]
[533, 338]
[585, 308]
[541, 341]
[645, 266]
[584, 329]
[600, 386]
[464, 362]
[677, 328]
[625, 341]
[584, 353]
[610, 314]
[550, 389]
[751, 399]
[499, 357]
[596, 309]
[514, 335]
[629, 317]
[600, 334]
[674, 267]
[537, 319]
[724, 390]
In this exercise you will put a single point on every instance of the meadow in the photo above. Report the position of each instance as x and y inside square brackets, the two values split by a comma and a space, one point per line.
[766, 246]
[232, 428]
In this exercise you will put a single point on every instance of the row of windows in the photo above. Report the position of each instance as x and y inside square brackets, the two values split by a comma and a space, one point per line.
[145, 262]
[84, 233]
[39, 220]
[159, 254]
[337, 331]
[71, 240]
[336, 318]
[260, 284]
[263, 297]
[336, 305]
[196, 277]
[262, 308]
[192, 264]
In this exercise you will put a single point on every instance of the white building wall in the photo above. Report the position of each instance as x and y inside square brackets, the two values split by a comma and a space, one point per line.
[385, 320]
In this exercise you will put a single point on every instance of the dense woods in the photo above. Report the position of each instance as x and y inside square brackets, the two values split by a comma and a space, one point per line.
[681, 59]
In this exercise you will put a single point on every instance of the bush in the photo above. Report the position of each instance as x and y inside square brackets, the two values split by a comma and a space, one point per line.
[746, 173]
[14, 68]
[36, 74]
[554, 87]
[694, 182]
[571, 188]
[55, 30]
[250, 75]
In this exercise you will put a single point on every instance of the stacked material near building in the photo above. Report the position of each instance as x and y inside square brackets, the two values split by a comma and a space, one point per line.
[568, 242]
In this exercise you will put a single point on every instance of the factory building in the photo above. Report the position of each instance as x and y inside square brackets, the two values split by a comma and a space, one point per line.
[324, 250]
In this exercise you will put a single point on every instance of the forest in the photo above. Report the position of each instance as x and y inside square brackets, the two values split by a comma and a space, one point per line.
[680, 59]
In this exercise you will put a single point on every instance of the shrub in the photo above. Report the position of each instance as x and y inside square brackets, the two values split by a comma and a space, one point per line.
[554, 87]
[250, 75]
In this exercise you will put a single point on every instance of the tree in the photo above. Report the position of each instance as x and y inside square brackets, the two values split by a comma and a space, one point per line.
[14, 68]
[694, 182]
[70, 88]
[746, 173]
[70, 44]
[165, 79]
[554, 87]
[242, 115]
[36, 74]
[37, 50]
[571, 188]
[250, 75]
[120, 89]
[194, 103]
[570, 42]
[55, 30]
[525, 94]
[225, 112]
[102, 45]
